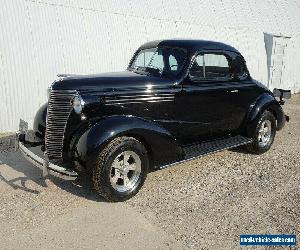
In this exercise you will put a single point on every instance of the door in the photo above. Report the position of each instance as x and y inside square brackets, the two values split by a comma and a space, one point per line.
[208, 106]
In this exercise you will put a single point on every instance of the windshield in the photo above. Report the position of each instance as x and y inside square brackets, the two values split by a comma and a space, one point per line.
[162, 61]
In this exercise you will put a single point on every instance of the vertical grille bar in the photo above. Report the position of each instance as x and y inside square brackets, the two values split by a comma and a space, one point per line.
[59, 109]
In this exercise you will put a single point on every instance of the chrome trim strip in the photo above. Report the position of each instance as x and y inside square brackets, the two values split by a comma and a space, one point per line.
[136, 102]
[156, 98]
[47, 167]
[141, 100]
[143, 95]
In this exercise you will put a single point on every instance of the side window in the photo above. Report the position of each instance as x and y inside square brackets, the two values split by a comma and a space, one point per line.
[216, 66]
[173, 63]
[210, 66]
[197, 69]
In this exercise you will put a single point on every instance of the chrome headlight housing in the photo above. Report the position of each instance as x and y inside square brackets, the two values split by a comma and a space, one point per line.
[78, 104]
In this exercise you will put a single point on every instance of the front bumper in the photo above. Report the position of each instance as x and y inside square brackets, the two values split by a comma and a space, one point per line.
[47, 167]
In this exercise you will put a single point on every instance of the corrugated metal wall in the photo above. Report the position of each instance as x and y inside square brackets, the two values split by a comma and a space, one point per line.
[40, 39]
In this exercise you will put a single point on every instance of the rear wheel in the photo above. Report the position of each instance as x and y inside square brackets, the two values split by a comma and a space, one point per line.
[121, 169]
[264, 133]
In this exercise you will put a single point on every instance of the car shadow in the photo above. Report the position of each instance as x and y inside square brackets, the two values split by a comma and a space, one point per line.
[14, 165]
[241, 150]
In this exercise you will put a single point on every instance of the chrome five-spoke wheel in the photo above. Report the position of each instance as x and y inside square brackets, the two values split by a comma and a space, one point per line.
[125, 171]
[264, 133]
[121, 169]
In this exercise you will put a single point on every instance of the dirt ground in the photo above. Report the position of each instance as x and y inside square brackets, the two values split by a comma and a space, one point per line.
[203, 204]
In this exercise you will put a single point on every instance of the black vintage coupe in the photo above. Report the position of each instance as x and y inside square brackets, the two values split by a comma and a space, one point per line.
[177, 100]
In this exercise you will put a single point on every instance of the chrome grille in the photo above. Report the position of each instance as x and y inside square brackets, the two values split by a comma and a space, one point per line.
[59, 109]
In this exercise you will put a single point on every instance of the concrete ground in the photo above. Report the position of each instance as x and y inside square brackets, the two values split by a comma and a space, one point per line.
[53, 214]
[203, 204]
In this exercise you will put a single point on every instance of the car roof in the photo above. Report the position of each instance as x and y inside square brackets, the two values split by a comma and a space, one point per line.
[189, 44]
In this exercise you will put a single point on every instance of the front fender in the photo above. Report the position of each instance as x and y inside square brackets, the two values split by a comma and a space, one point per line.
[39, 124]
[161, 145]
[264, 102]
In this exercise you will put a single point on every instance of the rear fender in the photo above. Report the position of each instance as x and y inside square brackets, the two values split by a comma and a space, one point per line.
[161, 145]
[264, 102]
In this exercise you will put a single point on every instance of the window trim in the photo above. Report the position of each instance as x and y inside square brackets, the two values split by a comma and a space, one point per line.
[203, 52]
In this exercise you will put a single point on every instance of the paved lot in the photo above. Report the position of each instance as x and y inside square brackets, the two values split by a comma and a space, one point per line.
[204, 204]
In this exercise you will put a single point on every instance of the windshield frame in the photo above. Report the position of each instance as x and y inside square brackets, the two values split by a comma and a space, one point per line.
[165, 73]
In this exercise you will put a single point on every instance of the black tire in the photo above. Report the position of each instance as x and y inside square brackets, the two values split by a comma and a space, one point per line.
[102, 171]
[256, 147]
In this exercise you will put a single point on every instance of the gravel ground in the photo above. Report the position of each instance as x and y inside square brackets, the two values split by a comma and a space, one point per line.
[203, 204]
[207, 203]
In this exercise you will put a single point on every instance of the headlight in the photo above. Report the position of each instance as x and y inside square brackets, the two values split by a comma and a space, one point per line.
[78, 104]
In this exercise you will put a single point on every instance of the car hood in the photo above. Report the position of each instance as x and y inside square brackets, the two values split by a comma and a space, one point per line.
[108, 81]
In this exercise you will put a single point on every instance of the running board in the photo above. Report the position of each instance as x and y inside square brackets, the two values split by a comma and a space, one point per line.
[206, 148]
[197, 150]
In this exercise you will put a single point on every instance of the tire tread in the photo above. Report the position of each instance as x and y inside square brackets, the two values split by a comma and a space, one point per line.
[98, 171]
[253, 147]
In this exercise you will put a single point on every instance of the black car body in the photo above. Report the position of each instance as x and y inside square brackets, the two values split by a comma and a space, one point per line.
[179, 98]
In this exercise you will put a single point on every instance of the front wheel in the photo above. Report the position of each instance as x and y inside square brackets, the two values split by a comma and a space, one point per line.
[121, 169]
[264, 134]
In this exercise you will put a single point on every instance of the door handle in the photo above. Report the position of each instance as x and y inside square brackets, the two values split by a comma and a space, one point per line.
[234, 91]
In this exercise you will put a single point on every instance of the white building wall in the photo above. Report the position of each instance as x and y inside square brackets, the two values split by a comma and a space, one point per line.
[41, 38]
[291, 67]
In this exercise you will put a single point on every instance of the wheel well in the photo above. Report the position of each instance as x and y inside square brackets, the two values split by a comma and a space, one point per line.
[148, 147]
[273, 113]
[250, 128]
